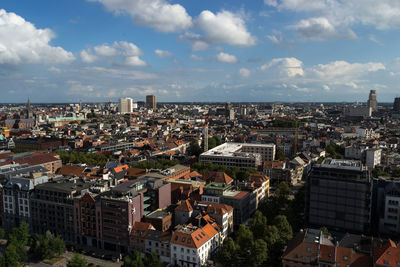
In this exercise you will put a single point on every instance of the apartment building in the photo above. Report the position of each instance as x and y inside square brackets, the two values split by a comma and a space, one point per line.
[17, 193]
[240, 155]
[192, 246]
[339, 197]
[52, 206]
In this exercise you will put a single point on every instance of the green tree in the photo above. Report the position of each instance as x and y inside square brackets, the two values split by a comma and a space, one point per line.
[77, 261]
[212, 142]
[46, 246]
[135, 261]
[152, 260]
[280, 155]
[284, 228]
[259, 253]
[325, 231]
[228, 252]
[282, 193]
[258, 225]
[194, 149]
[244, 239]
[19, 238]
[11, 256]
[2, 233]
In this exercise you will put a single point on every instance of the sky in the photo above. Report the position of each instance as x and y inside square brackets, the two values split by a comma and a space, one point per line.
[208, 50]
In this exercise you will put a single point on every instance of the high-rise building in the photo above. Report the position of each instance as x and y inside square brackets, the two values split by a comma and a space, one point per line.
[151, 102]
[229, 111]
[372, 103]
[125, 105]
[396, 104]
[340, 195]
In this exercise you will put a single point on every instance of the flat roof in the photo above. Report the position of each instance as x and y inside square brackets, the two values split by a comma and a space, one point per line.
[345, 164]
[234, 150]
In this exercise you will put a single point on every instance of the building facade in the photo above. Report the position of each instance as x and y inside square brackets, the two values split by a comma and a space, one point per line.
[339, 195]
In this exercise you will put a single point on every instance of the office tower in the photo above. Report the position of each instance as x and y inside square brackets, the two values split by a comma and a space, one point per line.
[151, 102]
[125, 105]
[229, 111]
[372, 103]
[396, 104]
[340, 195]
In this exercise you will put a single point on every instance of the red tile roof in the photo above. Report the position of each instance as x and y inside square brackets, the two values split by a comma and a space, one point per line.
[219, 177]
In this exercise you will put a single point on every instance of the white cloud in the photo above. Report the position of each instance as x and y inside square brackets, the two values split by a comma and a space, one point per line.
[158, 14]
[199, 46]
[321, 29]
[196, 57]
[54, 69]
[22, 42]
[128, 51]
[343, 71]
[373, 38]
[105, 50]
[226, 58]
[276, 38]
[245, 73]
[162, 53]
[87, 56]
[224, 27]
[135, 61]
[326, 88]
[289, 66]
[273, 3]
[341, 15]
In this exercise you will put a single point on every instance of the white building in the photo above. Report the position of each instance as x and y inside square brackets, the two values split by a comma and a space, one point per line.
[125, 105]
[373, 157]
[240, 155]
[16, 199]
[192, 246]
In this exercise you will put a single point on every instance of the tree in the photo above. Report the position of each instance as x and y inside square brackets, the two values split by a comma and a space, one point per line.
[2, 233]
[227, 253]
[212, 142]
[77, 261]
[325, 231]
[258, 225]
[259, 253]
[11, 256]
[194, 149]
[244, 239]
[284, 228]
[152, 260]
[135, 261]
[280, 155]
[46, 246]
[19, 238]
[282, 193]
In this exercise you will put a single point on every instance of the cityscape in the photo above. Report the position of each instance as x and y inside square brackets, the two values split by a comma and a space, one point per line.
[199, 133]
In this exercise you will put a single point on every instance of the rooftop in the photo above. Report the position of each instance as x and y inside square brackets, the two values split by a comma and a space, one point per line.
[345, 164]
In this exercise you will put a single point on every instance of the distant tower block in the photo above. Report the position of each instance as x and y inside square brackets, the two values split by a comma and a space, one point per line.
[396, 105]
[206, 137]
[151, 102]
[372, 103]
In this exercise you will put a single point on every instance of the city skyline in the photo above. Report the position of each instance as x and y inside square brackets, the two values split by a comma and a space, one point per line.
[211, 51]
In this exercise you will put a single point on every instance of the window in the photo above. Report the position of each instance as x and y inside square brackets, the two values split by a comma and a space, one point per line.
[345, 258]
[385, 261]
[309, 249]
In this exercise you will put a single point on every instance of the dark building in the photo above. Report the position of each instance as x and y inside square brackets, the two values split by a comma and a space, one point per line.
[340, 195]
[52, 206]
[396, 105]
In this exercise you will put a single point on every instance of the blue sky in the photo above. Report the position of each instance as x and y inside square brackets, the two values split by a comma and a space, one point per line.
[209, 50]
